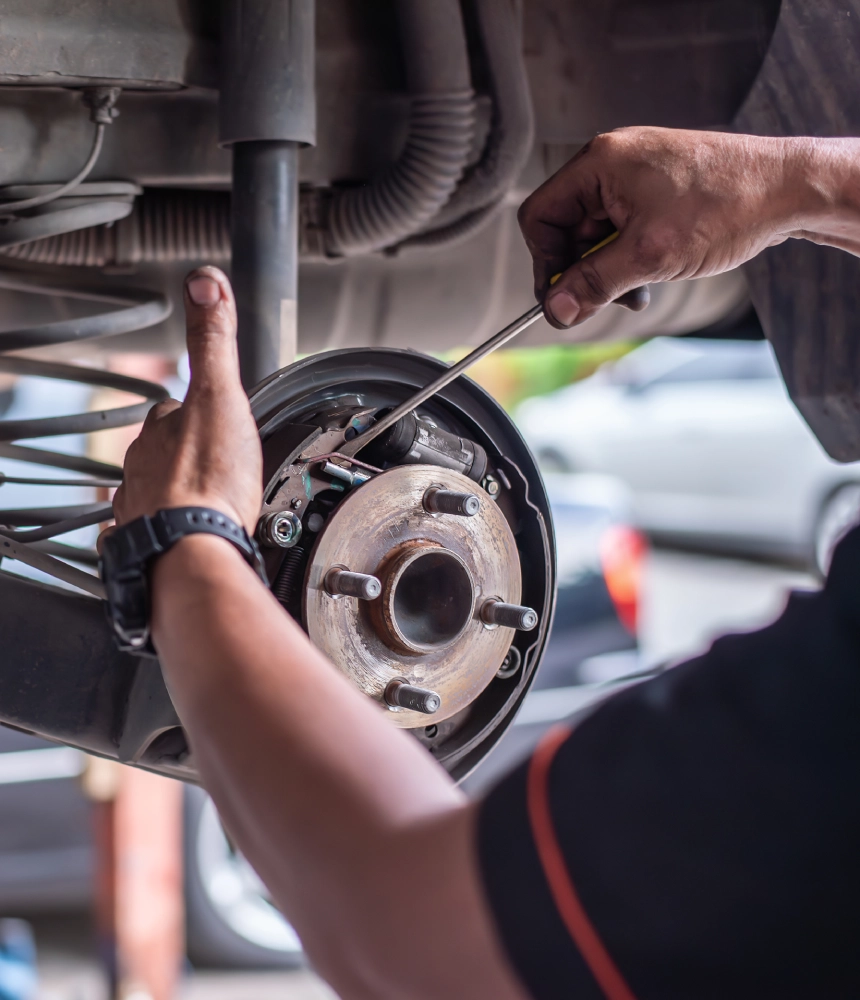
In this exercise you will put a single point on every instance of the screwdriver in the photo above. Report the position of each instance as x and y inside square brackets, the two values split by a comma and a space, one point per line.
[350, 448]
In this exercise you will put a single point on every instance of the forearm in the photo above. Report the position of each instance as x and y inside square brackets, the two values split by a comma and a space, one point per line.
[822, 181]
[251, 689]
[340, 812]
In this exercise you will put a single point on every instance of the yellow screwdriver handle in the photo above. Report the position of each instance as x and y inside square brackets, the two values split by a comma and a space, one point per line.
[594, 249]
[601, 244]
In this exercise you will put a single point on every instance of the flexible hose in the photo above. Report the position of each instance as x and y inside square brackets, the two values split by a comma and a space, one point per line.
[455, 233]
[155, 227]
[511, 135]
[439, 138]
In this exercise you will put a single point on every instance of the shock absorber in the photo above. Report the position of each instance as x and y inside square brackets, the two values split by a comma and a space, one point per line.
[32, 213]
[267, 111]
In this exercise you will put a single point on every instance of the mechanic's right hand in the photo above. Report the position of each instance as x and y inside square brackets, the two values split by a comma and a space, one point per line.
[206, 451]
[686, 204]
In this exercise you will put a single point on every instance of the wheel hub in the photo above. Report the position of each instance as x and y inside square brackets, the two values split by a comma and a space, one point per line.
[436, 571]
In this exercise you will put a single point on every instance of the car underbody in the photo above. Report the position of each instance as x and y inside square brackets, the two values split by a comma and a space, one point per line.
[356, 169]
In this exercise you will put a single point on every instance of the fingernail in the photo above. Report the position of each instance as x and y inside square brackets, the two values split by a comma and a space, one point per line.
[563, 308]
[204, 291]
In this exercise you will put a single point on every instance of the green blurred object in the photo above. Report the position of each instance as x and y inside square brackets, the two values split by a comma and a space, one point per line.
[517, 373]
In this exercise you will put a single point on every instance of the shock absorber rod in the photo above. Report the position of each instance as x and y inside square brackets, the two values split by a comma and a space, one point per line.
[264, 227]
[267, 110]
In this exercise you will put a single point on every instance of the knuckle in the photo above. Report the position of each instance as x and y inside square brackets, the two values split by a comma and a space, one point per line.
[525, 213]
[655, 248]
[605, 143]
[598, 287]
[206, 328]
[159, 411]
[119, 502]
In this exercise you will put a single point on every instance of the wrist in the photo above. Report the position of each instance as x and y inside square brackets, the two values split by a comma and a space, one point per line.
[190, 571]
[821, 191]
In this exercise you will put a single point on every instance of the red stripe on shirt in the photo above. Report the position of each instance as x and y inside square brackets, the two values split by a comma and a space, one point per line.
[570, 909]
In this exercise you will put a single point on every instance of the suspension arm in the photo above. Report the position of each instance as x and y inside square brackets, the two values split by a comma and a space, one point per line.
[63, 678]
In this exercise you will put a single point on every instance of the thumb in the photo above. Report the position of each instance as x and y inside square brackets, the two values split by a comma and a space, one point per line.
[596, 280]
[210, 321]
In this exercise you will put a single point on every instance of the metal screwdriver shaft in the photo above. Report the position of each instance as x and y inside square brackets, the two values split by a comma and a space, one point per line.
[497, 340]
[502, 337]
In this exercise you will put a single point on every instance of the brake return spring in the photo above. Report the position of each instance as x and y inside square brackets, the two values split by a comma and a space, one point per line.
[31, 213]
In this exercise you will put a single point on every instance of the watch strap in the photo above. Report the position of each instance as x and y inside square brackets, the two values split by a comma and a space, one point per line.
[176, 522]
[129, 551]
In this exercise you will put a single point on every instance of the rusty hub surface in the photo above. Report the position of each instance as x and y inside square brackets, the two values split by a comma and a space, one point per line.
[436, 572]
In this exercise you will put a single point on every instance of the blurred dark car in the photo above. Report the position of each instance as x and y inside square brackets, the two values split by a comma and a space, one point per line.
[46, 855]
[593, 647]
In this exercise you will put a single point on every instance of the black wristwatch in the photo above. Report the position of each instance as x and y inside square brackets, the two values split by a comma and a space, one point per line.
[129, 552]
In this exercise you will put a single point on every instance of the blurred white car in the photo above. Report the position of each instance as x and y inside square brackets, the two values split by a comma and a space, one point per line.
[713, 450]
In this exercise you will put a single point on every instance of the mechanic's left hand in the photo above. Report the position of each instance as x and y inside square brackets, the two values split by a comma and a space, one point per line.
[206, 451]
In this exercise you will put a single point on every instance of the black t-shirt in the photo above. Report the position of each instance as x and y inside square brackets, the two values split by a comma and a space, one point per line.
[697, 836]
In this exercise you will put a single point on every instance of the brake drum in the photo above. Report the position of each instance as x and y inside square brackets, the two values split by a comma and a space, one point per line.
[424, 621]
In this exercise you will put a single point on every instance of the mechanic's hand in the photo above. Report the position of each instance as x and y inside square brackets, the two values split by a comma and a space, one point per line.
[206, 451]
[686, 204]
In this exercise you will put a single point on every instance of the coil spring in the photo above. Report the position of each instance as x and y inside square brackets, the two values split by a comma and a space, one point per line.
[36, 213]
[287, 587]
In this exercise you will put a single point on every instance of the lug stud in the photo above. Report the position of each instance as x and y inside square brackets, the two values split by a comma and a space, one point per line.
[399, 694]
[439, 501]
[342, 583]
[509, 615]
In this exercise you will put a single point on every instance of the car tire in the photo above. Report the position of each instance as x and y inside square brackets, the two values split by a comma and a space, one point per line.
[839, 513]
[230, 922]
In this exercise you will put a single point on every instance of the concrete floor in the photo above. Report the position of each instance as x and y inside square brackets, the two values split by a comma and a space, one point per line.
[689, 600]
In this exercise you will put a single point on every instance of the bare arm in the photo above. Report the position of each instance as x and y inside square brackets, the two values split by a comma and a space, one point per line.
[360, 836]
[686, 204]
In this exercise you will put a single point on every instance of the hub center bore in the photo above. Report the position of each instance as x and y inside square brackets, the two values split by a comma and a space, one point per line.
[429, 598]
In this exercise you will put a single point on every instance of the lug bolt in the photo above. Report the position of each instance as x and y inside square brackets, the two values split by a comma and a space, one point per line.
[439, 501]
[399, 694]
[280, 529]
[492, 486]
[510, 664]
[342, 583]
[509, 615]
